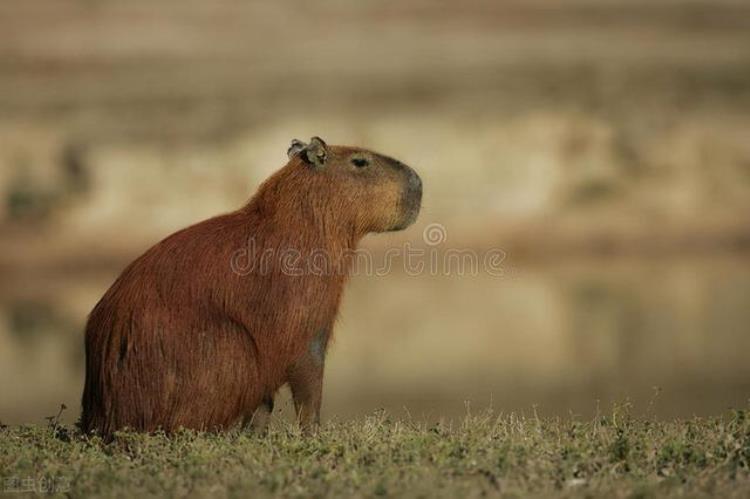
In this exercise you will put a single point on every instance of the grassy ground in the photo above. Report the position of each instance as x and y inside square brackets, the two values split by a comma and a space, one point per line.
[488, 455]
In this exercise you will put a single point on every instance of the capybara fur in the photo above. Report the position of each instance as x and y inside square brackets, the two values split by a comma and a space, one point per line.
[203, 329]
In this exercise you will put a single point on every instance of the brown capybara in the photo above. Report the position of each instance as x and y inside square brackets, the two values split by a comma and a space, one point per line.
[203, 329]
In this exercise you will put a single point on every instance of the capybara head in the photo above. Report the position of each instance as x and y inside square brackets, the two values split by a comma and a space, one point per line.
[355, 189]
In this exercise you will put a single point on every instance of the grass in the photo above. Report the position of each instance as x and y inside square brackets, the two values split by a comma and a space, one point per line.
[617, 455]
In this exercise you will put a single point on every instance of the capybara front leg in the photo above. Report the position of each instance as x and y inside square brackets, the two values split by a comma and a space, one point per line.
[306, 382]
[261, 417]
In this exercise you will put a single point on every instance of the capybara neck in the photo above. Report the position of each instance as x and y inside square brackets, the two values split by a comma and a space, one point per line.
[297, 211]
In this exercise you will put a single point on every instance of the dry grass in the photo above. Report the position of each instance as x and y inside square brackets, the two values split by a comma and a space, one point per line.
[488, 455]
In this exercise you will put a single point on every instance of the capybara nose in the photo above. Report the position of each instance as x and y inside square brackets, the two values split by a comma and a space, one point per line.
[415, 181]
[414, 193]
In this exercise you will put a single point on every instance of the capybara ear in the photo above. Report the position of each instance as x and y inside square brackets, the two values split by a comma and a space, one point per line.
[297, 146]
[315, 152]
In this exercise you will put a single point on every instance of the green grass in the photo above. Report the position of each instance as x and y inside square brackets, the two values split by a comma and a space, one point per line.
[488, 455]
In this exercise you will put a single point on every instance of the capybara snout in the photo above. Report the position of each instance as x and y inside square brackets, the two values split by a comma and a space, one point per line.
[411, 201]
[183, 340]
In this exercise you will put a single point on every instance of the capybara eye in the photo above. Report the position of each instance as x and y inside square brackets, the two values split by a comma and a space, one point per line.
[360, 162]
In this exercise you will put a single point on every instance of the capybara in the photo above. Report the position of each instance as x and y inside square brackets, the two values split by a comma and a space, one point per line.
[203, 329]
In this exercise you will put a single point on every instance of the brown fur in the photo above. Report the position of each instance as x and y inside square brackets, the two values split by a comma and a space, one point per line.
[182, 339]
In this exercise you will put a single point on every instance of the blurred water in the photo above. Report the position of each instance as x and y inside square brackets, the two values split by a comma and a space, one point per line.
[553, 337]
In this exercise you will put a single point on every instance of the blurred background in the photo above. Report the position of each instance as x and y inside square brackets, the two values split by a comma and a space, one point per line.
[603, 145]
